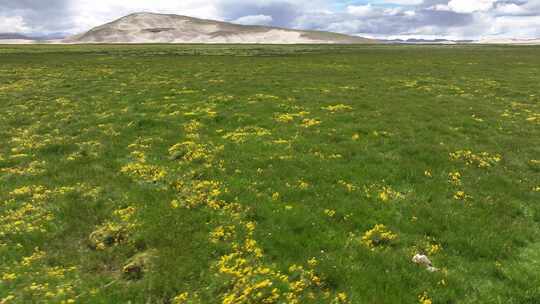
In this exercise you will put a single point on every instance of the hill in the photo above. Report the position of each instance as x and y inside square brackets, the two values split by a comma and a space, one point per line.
[166, 28]
[13, 36]
[511, 41]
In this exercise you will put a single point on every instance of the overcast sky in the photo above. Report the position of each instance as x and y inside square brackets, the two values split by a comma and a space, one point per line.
[453, 19]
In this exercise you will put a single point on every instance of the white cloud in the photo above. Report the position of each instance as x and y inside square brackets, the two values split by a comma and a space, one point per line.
[470, 6]
[512, 27]
[254, 20]
[510, 9]
[360, 10]
[404, 2]
[13, 24]
[440, 7]
[380, 18]
[89, 13]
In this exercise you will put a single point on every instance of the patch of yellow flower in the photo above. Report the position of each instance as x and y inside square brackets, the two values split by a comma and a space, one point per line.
[289, 117]
[241, 135]
[29, 208]
[330, 212]
[461, 196]
[37, 281]
[182, 298]
[384, 193]
[434, 249]
[338, 108]
[480, 160]
[429, 246]
[220, 98]
[115, 231]
[348, 186]
[454, 178]
[310, 122]
[533, 117]
[327, 156]
[190, 151]
[198, 193]
[303, 185]
[285, 118]
[262, 97]
[222, 233]
[424, 299]
[253, 282]
[378, 236]
[33, 168]
[144, 172]
[192, 127]
[8, 277]
[202, 111]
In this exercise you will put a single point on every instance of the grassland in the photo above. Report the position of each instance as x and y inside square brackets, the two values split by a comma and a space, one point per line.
[269, 174]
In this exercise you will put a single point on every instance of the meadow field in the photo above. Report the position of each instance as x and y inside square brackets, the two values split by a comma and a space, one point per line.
[269, 174]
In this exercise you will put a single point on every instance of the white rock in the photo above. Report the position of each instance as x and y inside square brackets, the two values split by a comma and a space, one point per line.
[423, 260]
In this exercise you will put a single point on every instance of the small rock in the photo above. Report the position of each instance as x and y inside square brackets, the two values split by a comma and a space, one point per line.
[423, 260]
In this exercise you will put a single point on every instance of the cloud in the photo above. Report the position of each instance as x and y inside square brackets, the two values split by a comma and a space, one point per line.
[457, 19]
[50, 15]
[283, 12]
[470, 6]
[89, 13]
[361, 10]
[254, 20]
[404, 2]
[14, 24]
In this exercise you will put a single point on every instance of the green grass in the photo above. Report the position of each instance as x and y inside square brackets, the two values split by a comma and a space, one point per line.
[91, 180]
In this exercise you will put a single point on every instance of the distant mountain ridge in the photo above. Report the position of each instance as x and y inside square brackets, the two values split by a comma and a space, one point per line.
[513, 41]
[428, 41]
[168, 28]
[14, 36]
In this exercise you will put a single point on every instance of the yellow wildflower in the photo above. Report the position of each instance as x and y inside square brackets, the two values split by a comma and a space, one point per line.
[379, 235]
[337, 108]
[424, 299]
[9, 277]
[461, 195]
[455, 178]
[309, 122]
[330, 212]
[181, 298]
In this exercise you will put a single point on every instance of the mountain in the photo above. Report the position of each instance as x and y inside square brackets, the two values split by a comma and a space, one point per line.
[49, 36]
[13, 36]
[509, 41]
[428, 41]
[166, 28]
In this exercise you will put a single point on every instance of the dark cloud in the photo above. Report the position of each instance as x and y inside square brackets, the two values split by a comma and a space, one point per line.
[443, 18]
[46, 15]
[45, 5]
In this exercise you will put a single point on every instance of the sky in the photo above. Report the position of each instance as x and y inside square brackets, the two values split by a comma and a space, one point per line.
[391, 19]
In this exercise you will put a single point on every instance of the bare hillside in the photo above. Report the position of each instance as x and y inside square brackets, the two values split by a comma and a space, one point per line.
[163, 28]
